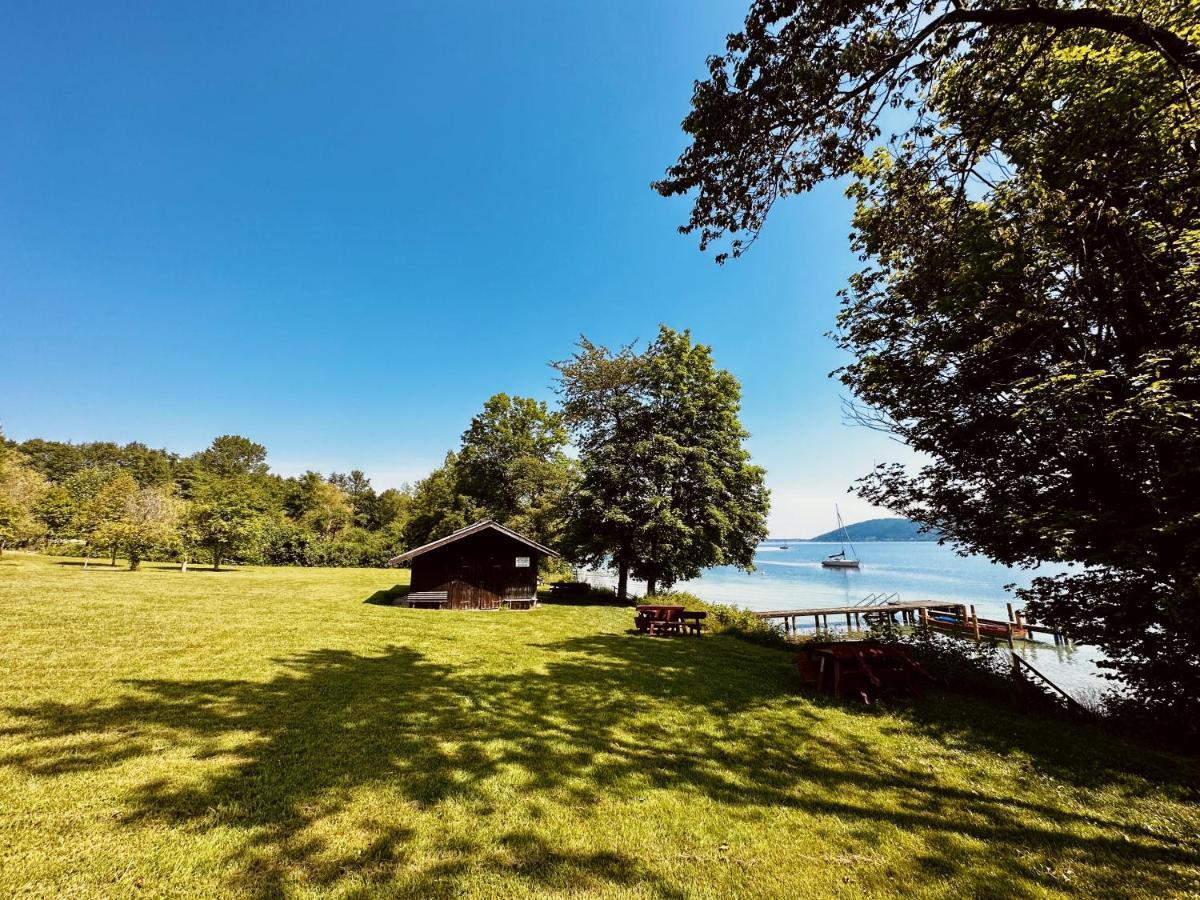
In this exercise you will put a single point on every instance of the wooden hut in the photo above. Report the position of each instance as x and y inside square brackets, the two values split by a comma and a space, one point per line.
[482, 566]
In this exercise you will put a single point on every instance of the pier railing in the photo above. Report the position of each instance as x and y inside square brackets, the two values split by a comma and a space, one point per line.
[1024, 671]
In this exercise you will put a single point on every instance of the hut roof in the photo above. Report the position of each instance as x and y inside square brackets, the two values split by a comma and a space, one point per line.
[467, 532]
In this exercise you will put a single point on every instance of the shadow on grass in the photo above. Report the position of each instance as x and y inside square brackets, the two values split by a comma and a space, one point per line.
[392, 596]
[594, 724]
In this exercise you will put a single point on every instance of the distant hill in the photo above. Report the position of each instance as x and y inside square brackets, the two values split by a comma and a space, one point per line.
[881, 530]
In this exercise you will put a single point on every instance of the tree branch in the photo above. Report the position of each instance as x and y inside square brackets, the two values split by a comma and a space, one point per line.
[1175, 48]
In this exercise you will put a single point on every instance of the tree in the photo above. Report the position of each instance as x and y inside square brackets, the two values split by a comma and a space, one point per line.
[109, 508]
[226, 519]
[667, 486]
[1029, 317]
[99, 496]
[56, 511]
[438, 506]
[362, 497]
[328, 510]
[602, 403]
[187, 533]
[392, 507]
[148, 522]
[233, 456]
[800, 93]
[512, 463]
[21, 490]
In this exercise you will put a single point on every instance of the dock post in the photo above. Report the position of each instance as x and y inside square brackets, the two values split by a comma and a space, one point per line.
[1010, 612]
[925, 616]
[849, 627]
[975, 621]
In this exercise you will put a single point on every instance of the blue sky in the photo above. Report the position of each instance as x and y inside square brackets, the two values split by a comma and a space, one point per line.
[337, 229]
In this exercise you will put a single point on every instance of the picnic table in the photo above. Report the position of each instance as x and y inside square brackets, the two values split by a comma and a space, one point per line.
[859, 668]
[659, 619]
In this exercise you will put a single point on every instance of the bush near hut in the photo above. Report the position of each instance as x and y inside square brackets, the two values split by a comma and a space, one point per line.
[723, 618]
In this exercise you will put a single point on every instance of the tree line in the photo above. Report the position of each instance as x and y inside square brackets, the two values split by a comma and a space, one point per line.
[642, 467]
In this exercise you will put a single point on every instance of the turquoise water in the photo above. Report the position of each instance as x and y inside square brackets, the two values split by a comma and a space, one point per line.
[794, 579]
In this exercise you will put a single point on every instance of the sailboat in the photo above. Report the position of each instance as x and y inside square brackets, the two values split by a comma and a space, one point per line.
[841, 560]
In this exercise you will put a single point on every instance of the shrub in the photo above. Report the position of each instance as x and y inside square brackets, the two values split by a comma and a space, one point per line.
[724, 618]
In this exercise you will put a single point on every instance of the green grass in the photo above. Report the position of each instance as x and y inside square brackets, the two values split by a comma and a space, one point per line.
[266, 732]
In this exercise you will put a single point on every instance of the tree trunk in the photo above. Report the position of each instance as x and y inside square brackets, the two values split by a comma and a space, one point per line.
[622, 580]
[114, 556]
[1, 548]
[651, 586]
[87, 556]
[183, 563]
[216, 560]
[134, 562]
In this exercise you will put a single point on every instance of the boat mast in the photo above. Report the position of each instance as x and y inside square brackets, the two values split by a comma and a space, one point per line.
[845, 535]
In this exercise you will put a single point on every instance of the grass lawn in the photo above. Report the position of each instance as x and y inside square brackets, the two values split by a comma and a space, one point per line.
[266, 732]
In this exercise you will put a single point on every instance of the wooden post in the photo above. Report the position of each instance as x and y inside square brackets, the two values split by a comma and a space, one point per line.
[924, 616]
[849, 627]
[975, 621]
[1010, 612]
[1010, 630]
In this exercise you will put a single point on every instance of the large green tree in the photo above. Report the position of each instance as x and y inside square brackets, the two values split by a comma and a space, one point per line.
[225, 518]
[512, 464]
[1029, 314]
[667, 486]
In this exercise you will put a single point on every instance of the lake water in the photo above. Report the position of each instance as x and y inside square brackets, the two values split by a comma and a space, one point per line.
[795, 579]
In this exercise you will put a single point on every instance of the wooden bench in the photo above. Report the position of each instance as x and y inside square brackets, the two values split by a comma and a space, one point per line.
[428, 599]
[692, 621]
[520, 602]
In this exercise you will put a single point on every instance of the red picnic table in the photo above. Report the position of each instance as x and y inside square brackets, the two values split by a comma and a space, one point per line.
[658, 619]
[859, 668]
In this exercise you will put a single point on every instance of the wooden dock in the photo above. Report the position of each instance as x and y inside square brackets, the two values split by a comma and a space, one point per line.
[855, 615]
[968, 624]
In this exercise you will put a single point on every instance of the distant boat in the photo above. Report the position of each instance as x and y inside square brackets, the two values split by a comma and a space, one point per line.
[783, 546]
[841, 560]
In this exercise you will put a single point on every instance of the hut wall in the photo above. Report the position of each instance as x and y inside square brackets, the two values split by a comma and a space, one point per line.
[477, 572]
